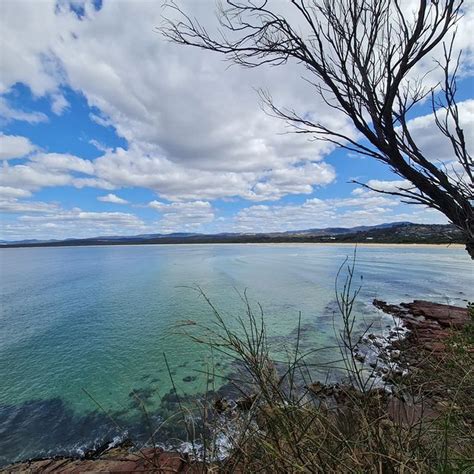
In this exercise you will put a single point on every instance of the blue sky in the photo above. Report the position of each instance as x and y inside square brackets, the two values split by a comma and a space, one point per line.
[109, 129]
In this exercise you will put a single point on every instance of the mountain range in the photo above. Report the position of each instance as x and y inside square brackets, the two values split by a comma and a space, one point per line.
[394, 232]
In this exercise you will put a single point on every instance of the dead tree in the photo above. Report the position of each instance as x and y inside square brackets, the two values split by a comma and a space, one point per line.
[361, 56]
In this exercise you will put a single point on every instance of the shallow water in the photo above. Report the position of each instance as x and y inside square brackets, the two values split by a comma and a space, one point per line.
[99, 319]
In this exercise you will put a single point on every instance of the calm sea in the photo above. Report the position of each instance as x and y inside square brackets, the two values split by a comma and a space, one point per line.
[89, 326]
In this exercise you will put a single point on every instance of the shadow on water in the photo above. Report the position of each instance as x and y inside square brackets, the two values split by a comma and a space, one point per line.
[41, 428]
[47, 428]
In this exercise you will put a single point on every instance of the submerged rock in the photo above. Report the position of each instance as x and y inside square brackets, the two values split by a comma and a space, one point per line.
[189, 378]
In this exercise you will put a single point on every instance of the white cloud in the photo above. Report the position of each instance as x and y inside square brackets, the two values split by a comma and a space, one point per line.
[30, 29]
[389, 186]
[436, 147]
[294, 180]
[13, 146]
[8, 192]
[91, 183]
[317, 213]
[112, 198]
[50, 221]
[32, 178]
[46, 170]
[174, 181]
[7, 113]
[180, 118]
[183, 216]
[59, 104]
[62, 162]
[16, 206]
[98, 145]
[167, 101]
[77, 214]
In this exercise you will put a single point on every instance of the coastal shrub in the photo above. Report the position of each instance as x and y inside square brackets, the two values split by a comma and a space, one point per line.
[281, 420]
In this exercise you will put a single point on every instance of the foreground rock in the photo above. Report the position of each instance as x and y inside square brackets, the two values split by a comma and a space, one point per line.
[429, 324]
[419, 339]
[115, 460]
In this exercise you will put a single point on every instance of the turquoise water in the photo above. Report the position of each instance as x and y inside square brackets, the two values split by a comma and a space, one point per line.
[101, 318]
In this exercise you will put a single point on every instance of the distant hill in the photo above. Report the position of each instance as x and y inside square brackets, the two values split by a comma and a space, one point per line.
[342, 230]
[396, 232]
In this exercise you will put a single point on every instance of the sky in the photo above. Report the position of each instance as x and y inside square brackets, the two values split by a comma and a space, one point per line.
[109, 129]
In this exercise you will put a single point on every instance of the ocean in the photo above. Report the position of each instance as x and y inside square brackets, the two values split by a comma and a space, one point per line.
[85, 330]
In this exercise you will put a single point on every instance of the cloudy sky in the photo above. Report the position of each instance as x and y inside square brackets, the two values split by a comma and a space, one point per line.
[106, 128]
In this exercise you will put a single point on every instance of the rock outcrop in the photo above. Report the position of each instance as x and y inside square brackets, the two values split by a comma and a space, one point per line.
[114, 460]
[429, 323]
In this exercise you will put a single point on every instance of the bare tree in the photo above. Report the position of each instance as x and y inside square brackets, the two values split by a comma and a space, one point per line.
[361, 56]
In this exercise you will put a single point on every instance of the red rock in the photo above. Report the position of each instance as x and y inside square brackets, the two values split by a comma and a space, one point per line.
[404, 413]
[445, 315]
[148, 460]
[434, 346]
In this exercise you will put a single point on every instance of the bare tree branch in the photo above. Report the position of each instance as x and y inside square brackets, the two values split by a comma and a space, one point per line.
[361, 56]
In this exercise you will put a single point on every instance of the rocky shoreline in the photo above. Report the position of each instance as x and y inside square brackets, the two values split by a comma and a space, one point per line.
[428, 323]
[422, 330]
[117, 459]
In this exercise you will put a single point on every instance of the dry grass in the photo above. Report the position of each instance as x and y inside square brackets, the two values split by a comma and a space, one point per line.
[285, 423]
